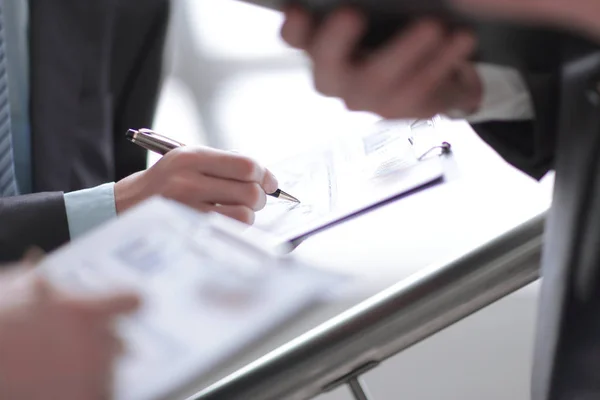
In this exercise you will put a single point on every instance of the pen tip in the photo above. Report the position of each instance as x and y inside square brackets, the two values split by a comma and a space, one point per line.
[286, 196]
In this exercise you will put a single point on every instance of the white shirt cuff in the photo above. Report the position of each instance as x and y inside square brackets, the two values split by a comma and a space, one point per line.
[89, 208]
[505, 95]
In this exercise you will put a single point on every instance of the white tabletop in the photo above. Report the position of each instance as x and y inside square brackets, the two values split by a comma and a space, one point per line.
[482, 198]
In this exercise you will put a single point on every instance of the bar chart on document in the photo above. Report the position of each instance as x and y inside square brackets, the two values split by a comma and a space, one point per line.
[353, 173]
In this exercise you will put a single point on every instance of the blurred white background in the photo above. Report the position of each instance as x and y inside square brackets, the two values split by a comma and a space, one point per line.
[233, 84]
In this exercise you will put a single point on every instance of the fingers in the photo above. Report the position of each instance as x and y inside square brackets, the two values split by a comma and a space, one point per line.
[202, 175]
[425, 90]
[216, 163]
[420, 41]
[29, 283]
[228, 192]
[122, 303]
[469, 94]
[269, 183]
[41, 287]
[237, 200]
[22, 277]
[240, 213]
[394, 64]
[196, 190]
[407, 78]
[196, 176]
[424, 85]
[102, 347]
[108, 339]
[297, 28]
[104, 306]
[332, 50]
[102, 333]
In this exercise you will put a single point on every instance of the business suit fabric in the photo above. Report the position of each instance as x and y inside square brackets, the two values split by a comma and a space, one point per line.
[95, 72]
[565, 136]
[8, 180]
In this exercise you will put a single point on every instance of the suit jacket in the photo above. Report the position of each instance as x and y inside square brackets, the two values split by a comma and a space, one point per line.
[95, 72]
[565, 136]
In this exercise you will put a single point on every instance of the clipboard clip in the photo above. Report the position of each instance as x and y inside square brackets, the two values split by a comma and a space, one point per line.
[445, 147]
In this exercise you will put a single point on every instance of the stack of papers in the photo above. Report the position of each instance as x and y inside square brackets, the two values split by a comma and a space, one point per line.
[208, 291]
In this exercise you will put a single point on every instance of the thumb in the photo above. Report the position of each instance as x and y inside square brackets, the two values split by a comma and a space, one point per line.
[269, 183]
[107, 305]
[27, 279]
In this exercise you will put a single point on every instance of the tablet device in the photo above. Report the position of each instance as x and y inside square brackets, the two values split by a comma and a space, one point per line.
[499, 42]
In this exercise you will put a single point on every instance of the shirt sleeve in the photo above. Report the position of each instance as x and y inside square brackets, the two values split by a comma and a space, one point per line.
[529, 145]
[505, 95]
[89, 208]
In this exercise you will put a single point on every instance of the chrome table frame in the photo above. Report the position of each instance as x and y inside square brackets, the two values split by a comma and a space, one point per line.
[340, 350]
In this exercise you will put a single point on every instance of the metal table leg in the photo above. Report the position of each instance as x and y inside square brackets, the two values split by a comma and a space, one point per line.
[358, 389]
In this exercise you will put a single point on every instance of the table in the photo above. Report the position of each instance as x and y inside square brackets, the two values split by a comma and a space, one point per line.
[482, 198]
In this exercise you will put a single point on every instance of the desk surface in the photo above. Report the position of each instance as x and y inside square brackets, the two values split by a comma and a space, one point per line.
[482, 198]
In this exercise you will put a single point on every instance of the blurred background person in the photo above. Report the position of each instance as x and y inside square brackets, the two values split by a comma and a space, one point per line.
[550, 120]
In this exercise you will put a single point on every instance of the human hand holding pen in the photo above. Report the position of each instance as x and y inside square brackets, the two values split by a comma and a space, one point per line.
[203, 178]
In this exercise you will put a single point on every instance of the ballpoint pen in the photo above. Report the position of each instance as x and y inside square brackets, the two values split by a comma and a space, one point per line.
[161, 144]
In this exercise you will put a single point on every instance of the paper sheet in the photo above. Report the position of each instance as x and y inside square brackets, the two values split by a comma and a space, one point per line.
[207, 291]
[353, 174]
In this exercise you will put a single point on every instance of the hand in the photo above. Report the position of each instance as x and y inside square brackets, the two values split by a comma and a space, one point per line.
[577, 15]
[203, 178]
[53, 345]
[418, 74]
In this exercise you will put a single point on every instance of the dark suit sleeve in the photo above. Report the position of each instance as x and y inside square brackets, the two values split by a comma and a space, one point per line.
[136, 75]
[34, 220]
[528, 145]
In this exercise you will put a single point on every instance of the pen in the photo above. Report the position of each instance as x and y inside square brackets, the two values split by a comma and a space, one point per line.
[161, 144]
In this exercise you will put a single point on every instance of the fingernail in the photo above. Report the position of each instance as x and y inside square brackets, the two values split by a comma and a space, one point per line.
[270, 183]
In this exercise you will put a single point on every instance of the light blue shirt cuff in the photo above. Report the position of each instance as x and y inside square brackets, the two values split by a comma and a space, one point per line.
[89, 208]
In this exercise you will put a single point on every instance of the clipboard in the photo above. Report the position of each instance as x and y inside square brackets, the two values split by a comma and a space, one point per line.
[351, 176]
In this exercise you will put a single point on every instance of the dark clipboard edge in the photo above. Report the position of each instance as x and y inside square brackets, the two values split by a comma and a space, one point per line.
[295, 242]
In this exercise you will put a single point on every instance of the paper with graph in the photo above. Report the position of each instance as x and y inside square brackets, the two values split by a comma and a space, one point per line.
[351, 175]
[208, 291]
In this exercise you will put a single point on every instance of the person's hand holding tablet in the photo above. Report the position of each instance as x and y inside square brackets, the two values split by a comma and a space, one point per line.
[423, 71]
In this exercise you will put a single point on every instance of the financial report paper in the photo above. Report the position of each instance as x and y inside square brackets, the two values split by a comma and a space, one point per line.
[207, 292]
[353, 174]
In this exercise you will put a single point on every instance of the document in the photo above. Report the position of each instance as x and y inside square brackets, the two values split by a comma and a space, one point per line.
[348, 177]
[208, 291]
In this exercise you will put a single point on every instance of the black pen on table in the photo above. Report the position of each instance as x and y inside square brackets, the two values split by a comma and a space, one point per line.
[161, 144]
